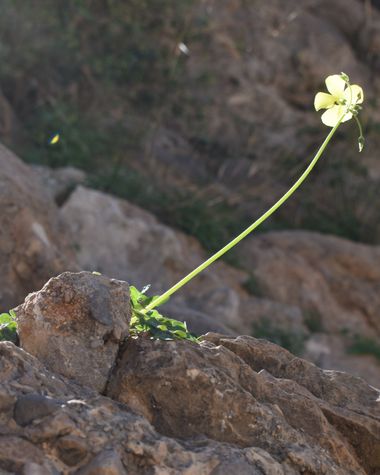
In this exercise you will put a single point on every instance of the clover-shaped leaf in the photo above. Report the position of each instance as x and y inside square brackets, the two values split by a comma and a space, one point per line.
[154, 324]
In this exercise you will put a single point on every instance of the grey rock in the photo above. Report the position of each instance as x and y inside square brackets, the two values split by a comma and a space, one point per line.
[60, 182]
[33, 406]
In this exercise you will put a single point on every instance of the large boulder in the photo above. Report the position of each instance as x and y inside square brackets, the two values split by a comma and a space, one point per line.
[75, 324]
[34, 245]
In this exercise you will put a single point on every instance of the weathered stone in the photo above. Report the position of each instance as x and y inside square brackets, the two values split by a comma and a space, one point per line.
[223, 406]
[74, 325]
[31, 468]
[72, 449]
[185, 390]
[91, 434]
[107, 462]
[33, 243]
[347, 402]
[16, 454]
[33, 406]
[334, 284]
[60, 182]
[334, 277]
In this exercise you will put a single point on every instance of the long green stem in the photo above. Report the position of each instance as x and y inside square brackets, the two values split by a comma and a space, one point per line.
[162, 298]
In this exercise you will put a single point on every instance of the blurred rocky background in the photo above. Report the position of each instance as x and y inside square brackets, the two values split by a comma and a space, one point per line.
[180, 122]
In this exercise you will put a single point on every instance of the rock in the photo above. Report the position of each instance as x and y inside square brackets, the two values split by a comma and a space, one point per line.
[75, 324]
[107, 462]
[334, 284]
[252, 89]
[33, 406]
[335, 278]
[348, 403]
[33, 243]
[20, 456]
[9, 124]
[227, 405]
[251, 393]
[91, 434]
[60, 182]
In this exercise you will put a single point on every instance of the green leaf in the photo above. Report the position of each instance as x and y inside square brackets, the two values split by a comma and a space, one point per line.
[8, 327]
[12, 313]
[180, 334]
[152, 322]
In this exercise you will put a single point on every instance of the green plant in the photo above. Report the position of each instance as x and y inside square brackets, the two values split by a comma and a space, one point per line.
[8, 327]
[341, 105]
[313, 321]
[80, 143]
[362, 345]
[252, 285]
[152, 323]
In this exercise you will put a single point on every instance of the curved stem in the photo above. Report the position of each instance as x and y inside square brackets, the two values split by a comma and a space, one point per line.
[359, 126]
[361, 136]
[162, 298]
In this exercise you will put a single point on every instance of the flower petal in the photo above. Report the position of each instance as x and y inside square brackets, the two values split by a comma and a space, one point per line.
[331, 116]
[347, 117]
[335, 85]
[354, 94]
[323, 101]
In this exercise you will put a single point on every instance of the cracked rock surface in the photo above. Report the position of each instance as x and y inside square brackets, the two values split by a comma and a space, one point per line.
[75, 324]
[227, 405]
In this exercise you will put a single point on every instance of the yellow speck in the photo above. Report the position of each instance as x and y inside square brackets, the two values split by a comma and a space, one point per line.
[54, 139]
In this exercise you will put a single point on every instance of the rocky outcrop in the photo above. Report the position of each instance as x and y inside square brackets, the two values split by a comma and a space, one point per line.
[290, 406]
[75, 324]
[50, 425]
[34, 245]
[225, 405]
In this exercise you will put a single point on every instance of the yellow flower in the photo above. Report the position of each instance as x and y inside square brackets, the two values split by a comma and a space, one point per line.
[341, 101]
